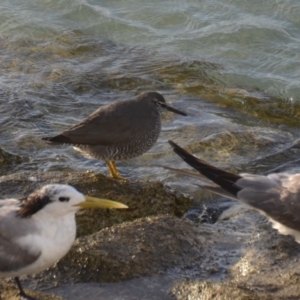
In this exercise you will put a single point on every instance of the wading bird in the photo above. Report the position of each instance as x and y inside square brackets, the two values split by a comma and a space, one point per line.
[118, 131]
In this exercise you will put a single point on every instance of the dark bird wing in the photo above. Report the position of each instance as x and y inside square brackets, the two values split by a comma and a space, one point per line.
[224, 179]
[119, 122]
[275, 195]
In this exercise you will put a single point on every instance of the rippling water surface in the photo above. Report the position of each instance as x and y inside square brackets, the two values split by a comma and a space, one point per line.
[232, 65]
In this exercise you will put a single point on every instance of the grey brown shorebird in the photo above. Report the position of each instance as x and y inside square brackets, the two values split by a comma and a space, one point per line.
[276, 195]
[37, 231]
[118, 131]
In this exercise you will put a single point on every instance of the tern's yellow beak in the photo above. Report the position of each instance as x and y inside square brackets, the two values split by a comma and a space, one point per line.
[92, 202]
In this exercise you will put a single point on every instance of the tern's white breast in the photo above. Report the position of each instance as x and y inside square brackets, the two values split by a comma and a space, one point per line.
[53, 240]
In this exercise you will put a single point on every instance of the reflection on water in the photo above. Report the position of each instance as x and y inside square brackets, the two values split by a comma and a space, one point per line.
[232, 65]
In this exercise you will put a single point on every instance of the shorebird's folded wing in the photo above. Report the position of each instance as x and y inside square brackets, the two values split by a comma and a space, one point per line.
[107, 126]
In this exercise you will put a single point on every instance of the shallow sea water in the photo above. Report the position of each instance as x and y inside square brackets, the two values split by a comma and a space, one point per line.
[233, 66]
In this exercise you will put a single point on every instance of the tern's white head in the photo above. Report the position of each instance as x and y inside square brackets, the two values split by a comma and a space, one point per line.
[54, 199]
[59, 200]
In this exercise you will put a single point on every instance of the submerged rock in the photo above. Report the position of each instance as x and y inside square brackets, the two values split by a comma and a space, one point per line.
[9, 160]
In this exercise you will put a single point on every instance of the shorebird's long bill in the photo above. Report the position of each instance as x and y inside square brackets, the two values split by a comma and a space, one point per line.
[92, 202]
[172, 109]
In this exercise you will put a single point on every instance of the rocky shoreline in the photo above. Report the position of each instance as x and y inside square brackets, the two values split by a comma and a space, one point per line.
[151, 252]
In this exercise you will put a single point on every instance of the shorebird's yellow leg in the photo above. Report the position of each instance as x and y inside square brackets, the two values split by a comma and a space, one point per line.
[114, 173]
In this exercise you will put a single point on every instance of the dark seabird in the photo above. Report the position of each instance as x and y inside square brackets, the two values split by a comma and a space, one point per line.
[276, 195]
[118, 131]
[37, 231]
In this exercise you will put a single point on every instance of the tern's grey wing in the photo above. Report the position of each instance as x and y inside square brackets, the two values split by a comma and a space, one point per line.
[277, 195]
[14, 256]
[117, 123]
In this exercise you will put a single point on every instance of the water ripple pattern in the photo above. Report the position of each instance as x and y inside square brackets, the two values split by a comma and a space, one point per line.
[232, 65]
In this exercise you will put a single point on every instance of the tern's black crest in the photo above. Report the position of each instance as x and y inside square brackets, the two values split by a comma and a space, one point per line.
[33, 203]
[224, 179]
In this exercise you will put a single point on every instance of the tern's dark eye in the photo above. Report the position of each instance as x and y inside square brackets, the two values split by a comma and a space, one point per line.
[63, 199]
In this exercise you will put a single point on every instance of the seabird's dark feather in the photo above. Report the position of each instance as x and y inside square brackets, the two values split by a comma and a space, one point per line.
[224, 179]
[58, 139]
[32, 204]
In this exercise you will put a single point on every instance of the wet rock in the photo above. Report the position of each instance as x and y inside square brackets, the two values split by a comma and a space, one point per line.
[10, 292]
[239, 257]
[144, 247]
[140, 288]
[258, 263]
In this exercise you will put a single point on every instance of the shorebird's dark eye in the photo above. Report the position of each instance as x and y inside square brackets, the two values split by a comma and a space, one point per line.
[63, 199]
[159, 104]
